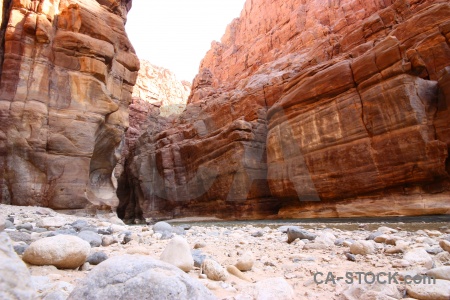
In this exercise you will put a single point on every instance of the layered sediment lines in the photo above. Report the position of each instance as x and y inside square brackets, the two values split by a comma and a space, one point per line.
[309, 109]
[66, 83]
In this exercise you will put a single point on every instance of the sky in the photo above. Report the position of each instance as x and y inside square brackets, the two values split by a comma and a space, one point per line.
[176, 34]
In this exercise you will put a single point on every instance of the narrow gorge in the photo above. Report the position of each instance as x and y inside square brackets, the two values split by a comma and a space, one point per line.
[305, 109]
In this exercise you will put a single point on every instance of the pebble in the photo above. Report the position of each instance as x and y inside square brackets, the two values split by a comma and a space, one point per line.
[214, 270]
[362, 247]
[245, 262]
[96, 258]
[445, 245]
[297, 233]
[94, 239]
[236, 272]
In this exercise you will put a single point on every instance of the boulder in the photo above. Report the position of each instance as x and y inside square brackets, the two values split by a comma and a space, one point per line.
[61, 251]
[138, 277]
[15, 279]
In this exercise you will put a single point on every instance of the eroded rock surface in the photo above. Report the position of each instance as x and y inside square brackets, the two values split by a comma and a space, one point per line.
[309, 109]
[66, 83]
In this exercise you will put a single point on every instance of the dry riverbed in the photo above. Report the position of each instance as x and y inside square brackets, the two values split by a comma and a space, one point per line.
[320, 261]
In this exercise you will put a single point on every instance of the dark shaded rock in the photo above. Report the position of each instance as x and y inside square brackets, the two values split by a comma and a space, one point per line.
[294, 233]
[96, 258]
[94, 239]
[18, 236]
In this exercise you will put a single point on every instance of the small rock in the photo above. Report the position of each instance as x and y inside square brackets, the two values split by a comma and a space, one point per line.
[51, 222]
[440, 273]
[199, 245]
[198, 257]
[274, 288]
[164, 228]
[177, 253]
[214, 270]
[126, 237]
[388, 230]
[61, 251]
[373, 235]
[18, 236]
[245, 262]
[108, 240]
[400, 263]
[20, 248]
[107, 231]
[445, 245]
[434, 251]
[78, 225]
[96, 258]
[236, 272]
[362, 247]
[419, 257]
[350, 256]
[433, 233]
[381, 238]
[297, 233]
[26, 226]
[9, 224]
[94, 239]
[257, 234]
[438, 291]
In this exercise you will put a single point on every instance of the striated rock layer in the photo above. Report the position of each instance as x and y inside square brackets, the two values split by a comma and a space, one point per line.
[66, 83]
[158, 97]
[310, 109]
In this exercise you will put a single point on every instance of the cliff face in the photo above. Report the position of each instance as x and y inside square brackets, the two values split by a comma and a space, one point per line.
[66, 83]
[160, 87]
[158, 97]
[310, 108]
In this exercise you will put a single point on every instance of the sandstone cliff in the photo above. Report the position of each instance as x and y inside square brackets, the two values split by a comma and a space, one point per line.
[66, 83]
[310, 108]
[158, 98]
[161, 87]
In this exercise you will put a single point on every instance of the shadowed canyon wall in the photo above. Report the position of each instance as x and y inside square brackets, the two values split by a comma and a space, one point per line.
[306, 109]
[66, 83]
[158, 97]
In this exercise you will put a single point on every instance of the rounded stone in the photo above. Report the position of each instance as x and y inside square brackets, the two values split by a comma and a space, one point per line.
[61, 251]
[213, 270]
[138, 277]
[362, 247]
[178, 253]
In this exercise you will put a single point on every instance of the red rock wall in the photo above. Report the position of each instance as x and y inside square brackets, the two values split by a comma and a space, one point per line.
[158, 98]
[66, 83]
[310, 109]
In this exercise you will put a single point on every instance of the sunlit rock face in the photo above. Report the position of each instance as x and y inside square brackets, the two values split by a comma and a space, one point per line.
[161, 87]
[307, 109]
[67, 79]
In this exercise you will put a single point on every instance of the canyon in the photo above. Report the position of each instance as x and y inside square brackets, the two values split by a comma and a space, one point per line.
[305, 109]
